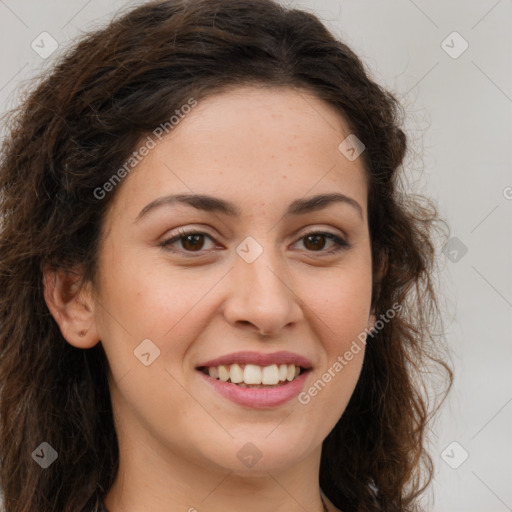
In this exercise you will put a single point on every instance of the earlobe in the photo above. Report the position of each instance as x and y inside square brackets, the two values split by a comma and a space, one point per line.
[71, 307]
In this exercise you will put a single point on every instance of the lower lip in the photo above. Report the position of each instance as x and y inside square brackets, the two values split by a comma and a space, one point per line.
[258, 398]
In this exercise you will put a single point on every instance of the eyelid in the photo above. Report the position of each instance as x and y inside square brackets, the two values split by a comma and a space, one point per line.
[340, 241]
[181, 233]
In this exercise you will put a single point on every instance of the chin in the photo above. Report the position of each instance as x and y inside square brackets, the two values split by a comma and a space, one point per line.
[254, 456]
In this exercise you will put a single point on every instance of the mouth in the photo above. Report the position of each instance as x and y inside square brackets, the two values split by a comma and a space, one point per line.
[256, 379]
[255, 376]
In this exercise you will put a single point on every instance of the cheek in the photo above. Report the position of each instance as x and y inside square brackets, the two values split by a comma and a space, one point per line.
[152, 301]
[342, 302]
[340, 310]
[345, 309]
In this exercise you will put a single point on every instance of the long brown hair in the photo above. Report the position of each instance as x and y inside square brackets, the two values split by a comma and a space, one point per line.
[68, 137]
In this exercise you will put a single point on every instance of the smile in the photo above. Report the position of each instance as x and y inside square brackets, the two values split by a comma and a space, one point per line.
[254, 376]
[259, 396]
[257, 379]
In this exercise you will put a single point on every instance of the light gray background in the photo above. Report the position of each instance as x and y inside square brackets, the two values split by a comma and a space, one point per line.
[459, 121]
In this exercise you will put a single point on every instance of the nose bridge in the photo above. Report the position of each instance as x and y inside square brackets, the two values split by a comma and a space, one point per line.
[262, 293]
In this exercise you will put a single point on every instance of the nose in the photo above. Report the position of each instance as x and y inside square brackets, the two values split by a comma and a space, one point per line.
[262, 297]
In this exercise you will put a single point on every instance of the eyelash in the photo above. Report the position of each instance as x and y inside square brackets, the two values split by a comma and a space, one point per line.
[182, 233]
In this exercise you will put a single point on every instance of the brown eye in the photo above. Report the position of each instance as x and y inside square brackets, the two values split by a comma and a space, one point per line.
[191, 241]
[316, 242]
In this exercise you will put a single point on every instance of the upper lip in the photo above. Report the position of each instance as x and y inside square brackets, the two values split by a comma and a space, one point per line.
[259, 359]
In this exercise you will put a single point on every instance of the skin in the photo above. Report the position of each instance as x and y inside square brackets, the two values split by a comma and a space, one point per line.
[260, 148]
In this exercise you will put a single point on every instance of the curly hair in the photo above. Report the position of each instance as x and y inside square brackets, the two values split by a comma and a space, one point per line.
[82, 120]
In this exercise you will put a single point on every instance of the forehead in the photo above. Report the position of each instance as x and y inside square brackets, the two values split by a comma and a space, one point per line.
[251, 145]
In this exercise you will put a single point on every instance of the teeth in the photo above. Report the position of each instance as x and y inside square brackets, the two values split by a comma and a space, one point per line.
[270, 374]
[223, 373]
[283, 371]
[236, 373]
[254, 375]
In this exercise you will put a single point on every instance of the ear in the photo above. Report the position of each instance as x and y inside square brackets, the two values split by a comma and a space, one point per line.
[72, 309]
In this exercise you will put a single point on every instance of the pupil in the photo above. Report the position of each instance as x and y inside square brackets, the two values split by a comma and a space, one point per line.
[194, 244]
[316, 238]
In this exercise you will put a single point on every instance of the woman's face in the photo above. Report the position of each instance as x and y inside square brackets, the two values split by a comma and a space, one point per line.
[260, 262]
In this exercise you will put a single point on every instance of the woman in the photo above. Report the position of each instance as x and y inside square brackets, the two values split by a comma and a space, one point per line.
[214, 295]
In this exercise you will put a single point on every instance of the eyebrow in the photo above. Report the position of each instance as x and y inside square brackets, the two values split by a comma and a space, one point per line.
[215, 204]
